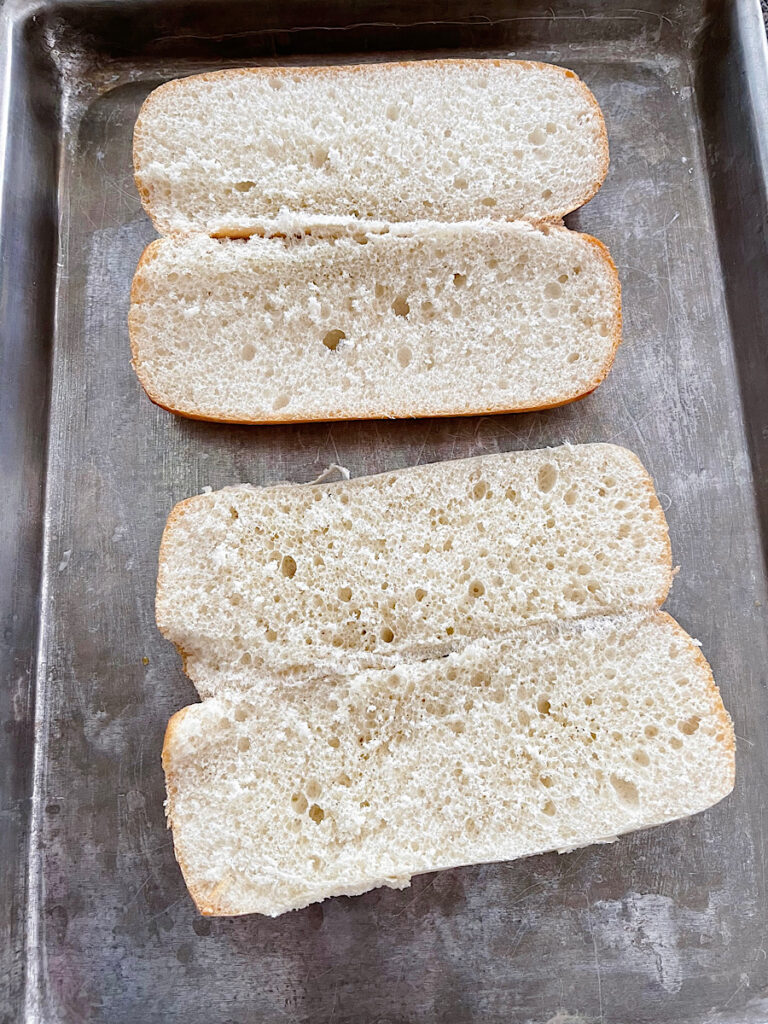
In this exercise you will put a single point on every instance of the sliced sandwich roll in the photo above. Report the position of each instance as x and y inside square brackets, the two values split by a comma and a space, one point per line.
[450, 140]
[391, 321]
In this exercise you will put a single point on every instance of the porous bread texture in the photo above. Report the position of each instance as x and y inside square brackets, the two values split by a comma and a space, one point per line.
[557, 736]
[406, 565]
[439, 139]
[393, 321]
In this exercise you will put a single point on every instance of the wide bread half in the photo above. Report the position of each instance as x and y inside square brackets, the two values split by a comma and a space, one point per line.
[406, 565]
[557, 736]
[390, 321]
[451, 140]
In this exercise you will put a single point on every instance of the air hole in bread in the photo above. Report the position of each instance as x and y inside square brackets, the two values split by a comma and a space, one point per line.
[547, 477]
[479, 490]
[288, 567]
[243, 743]
[603, 330]
[543, 706]
[387, 635]
[244, 186]
[276, 83]
[393, 112]
[476, 589]
[549, 808]
[400, 306]
[689, 726]
[313, 789]
[299, 803]
[456, 726]
[460, 182]
[553, 290]
[537, 137]
[345, 593]
[546, 194]
[280, 402]
[332, 338]
[625, 790]
[488, 201]
[334, 741]
[271, 635]
[316, 813]
[546, 781]
[404, 356]
[551, 128]
[640, 757]
[573, 357]
[459, 280]
[318, 156]
[420, 594]
[379, 291]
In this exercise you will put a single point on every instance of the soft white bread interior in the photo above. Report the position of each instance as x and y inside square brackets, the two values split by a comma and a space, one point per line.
[555, 737]
[452, 140]
[407, 564]
[403, 320]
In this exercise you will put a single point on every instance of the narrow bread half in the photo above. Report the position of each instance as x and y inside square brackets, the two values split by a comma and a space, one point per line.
[406, 565]
[394, 321]
[224, 153]
[556, 737]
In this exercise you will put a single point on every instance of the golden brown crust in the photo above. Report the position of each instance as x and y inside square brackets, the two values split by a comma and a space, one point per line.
[170, 789]
[139, 130]
[178, 510]
[211, 416]
[718, 708]
[206, 897]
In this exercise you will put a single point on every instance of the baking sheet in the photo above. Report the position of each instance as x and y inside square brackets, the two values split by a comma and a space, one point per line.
[666, 925]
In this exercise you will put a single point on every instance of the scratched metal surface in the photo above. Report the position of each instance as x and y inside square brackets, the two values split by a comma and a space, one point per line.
[667, 925]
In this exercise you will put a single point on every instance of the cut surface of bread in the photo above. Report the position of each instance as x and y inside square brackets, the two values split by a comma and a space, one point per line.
[407, 564]
[424, 319]
[450, 140]
[558, 736]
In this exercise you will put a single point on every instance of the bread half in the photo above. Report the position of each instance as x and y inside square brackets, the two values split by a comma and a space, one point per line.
[450, 140]
[555, 737]
[406, 565]
[394, 321]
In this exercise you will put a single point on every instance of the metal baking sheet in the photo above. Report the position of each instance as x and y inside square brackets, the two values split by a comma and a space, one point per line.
[665, 926]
